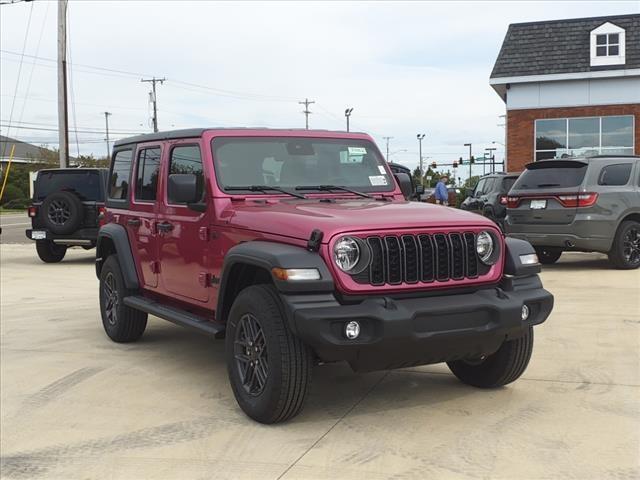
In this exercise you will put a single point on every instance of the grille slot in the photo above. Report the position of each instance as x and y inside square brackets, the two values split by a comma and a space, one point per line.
[420, 258]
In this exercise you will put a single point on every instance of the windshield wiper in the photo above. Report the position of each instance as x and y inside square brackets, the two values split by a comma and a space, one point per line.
[264, 188]
[328, 188]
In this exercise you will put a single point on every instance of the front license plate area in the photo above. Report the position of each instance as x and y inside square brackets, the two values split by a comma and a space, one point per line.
[538, 204]
[38, 235]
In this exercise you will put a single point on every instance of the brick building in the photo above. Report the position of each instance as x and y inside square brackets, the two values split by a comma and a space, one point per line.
[571, 87]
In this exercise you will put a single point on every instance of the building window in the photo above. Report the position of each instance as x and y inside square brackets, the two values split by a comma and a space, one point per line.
[607, 45]
[574, 137]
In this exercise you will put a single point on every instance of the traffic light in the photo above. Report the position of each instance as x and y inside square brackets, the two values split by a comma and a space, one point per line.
[434, 165]
[455, 164]
[461, 161]
[472, 159]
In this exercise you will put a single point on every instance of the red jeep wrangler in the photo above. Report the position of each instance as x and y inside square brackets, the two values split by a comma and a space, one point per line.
[300, 248]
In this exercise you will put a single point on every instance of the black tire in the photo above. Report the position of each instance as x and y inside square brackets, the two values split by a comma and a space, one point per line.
[62, 212]
[122, 323]
[498, 369]
[548, 255]
[625, 250]
[274, 388]
[50, 252]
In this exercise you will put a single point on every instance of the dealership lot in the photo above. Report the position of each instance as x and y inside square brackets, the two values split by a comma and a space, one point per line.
[76, 405]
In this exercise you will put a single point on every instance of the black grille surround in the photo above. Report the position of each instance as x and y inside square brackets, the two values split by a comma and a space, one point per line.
[421, 258]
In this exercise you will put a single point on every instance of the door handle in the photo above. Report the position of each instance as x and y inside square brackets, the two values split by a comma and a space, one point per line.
[164, 227]
[134, 222]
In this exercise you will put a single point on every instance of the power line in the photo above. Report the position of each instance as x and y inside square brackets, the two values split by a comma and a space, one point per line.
[15, 92]
[306, 111]
[21, 127]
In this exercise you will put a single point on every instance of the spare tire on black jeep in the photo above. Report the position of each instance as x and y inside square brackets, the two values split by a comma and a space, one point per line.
[62, 212]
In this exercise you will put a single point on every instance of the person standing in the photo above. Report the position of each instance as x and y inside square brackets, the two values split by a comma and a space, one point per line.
[442, 193]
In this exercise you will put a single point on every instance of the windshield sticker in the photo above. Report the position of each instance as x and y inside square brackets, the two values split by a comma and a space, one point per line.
[382, 170]
[348, 158]
[357, 150]
[377, 180]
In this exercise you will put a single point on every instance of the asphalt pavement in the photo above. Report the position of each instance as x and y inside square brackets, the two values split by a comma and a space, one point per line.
[13, 227]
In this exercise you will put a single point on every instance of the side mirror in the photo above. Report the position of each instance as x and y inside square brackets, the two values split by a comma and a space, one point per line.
[183, 188]
[419, 189]
[405, 183]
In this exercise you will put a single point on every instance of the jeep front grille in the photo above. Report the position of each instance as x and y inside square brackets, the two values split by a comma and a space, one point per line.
[397, 259]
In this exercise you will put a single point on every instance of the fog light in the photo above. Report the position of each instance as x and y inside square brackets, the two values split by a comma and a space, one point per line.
[525, 312]
[529, 259]
[352, 330]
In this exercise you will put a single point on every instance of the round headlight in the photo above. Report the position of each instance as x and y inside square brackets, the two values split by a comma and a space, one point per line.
[484, 248]
[346, 253]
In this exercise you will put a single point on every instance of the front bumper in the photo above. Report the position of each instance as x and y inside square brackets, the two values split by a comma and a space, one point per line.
[402, 332]
[84, 236]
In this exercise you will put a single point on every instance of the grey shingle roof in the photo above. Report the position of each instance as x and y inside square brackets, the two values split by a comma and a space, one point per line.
[560, 46]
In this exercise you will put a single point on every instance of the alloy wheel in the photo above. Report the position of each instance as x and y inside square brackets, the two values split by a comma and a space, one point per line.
[250, 353]
[631, 246]
[59, 212]
[110, 298]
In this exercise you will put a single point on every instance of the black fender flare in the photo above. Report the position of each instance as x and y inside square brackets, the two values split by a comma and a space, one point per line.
[117, 236]
[269, 255]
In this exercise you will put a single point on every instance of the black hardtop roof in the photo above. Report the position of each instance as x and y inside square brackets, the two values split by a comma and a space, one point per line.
[74, 169]
[197, 132]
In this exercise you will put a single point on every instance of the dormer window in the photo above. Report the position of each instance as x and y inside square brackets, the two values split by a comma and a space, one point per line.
[607, 45]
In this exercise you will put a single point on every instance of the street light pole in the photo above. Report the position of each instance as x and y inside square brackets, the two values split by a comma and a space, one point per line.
[347, 114]
[492, 156]
[387, 140]
[420, 137]
[470, 155]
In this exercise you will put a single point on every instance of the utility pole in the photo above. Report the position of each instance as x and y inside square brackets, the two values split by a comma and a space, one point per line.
[470, 161]
[420, 137]
[306, 111]
[63, 116]
[153, 82]
[387, 140]
[106, 122]
[347, 113]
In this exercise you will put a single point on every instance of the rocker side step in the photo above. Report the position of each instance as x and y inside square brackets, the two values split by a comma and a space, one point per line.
[175, 315]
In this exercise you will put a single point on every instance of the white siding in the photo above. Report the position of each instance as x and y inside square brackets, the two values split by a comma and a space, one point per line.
[574, 93]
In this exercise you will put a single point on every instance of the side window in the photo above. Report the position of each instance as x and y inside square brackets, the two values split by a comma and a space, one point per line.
[480, 187]
[120, 172]
[615, 174]
[147, 174]
[187, 159]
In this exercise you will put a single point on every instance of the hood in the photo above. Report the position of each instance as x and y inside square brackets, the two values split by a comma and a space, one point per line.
[298, 218]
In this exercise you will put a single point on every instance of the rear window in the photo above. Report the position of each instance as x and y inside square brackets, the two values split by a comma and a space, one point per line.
[615, 174]
[550, 174]
[507, 183]
[84, 183]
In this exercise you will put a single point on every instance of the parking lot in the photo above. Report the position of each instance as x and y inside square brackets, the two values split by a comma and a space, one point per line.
[76, 405]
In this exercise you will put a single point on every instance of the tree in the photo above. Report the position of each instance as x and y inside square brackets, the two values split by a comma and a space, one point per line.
[417, 177]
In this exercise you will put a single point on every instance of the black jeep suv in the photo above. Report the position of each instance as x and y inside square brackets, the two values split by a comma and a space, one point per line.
[65, 210]
[489, 198]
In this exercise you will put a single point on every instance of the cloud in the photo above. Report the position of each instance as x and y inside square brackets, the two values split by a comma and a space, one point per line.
[405, 67]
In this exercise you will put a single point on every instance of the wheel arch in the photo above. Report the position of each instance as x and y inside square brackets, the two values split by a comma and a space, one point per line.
[251, 263]
[113, 240]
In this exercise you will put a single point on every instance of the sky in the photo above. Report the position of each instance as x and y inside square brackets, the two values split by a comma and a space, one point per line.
[404, 67]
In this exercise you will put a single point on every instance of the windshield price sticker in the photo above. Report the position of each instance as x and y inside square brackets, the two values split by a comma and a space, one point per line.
[357, 150]
[377, 180]
[382, 170]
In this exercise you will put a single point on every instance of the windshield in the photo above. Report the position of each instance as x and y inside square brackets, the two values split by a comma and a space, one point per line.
[290, 162]
[551, 175]
[84, 183]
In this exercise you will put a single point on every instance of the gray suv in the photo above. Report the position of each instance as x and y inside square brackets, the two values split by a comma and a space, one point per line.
[585, 204]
